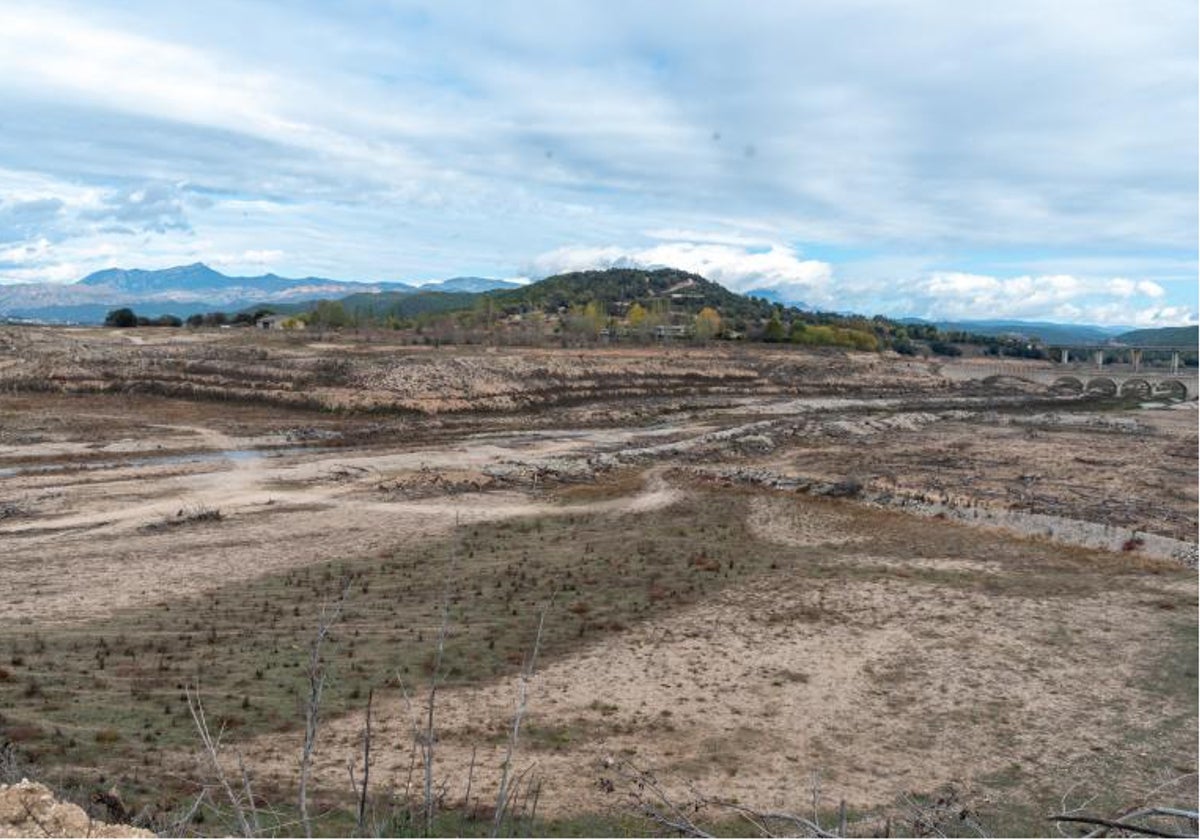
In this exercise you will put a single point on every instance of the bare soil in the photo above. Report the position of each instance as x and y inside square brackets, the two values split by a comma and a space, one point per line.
[191, 499]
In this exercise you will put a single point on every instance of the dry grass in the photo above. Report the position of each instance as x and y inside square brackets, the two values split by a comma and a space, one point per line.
[726, 655]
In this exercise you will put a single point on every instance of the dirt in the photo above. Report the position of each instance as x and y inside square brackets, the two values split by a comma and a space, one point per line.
[920, 628]
[877, 683]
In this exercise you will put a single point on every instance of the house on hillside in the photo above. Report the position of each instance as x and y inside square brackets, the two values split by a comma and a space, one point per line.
[665, 331]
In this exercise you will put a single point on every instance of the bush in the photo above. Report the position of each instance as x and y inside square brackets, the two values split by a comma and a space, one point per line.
[122, 318]
[944, 348]
[819, 335]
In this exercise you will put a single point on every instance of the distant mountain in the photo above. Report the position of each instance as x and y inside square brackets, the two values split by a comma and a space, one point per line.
[1048, 332]
[1162, 336]
[181, 291]
[409, 304]
[775, 296]
[468, 284]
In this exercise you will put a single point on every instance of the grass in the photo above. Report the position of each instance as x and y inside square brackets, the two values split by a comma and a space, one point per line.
[109, 694]
[246, 644]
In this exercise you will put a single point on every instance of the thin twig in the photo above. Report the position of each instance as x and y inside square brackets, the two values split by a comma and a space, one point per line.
[1120, 826]
[362, 799]
[312, 708]
[518, 716]
[212, 748]
[470, 777]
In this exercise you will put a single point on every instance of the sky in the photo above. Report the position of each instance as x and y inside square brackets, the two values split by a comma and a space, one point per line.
[948, 160]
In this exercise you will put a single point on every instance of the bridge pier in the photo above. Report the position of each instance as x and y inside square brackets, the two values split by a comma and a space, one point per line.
[1098, 355]
[1135, 358]
[1066, 355]
[1174, 362]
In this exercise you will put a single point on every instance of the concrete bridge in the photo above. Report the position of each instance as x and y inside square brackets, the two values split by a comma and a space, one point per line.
[1112, 380]
[1132, 354]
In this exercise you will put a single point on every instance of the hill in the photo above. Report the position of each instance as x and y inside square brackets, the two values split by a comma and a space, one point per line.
[181, 290]
[1162, 336]
[406, 305]
[1048, 332]
[468, 284]
[616, 289]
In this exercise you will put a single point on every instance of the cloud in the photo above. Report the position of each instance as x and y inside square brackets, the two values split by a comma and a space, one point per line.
[22, 220]
[963, 296]
[938, 295]
[155, 207]
[391, 141]
[252, 256]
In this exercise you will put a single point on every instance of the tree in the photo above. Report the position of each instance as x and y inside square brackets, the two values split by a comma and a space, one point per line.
[774, 330]
[708, 323]
[329, 314]
[637, 320]
[122, 318]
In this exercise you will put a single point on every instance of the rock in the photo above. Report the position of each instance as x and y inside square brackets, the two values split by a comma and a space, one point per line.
[29, 809]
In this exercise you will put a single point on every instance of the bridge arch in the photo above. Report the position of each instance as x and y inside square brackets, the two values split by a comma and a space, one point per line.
[1171, 388]
[1068, 383]
[1136, 388]
[1102, 385]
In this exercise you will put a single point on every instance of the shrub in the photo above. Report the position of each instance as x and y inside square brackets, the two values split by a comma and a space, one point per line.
[122, 318]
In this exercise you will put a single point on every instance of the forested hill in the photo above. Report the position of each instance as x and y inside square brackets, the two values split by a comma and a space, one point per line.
[617, 287]
[1162, 336]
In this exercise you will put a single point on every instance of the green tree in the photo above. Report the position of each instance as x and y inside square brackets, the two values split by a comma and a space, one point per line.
[123, 318]
[774, 329]
[329, 314]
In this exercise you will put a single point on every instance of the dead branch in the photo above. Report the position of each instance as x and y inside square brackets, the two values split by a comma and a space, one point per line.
[434, 678]
[362, 798]
[316, 673]
[677, 820]
[470, 778]
[1117, 825]
[518, 716]
[762, 818]
[212, 748]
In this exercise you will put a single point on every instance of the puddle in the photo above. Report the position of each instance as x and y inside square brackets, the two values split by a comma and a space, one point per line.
[235, 455]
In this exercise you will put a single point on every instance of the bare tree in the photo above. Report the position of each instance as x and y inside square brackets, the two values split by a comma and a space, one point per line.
[502, 795]
[316, 673]
[427, 741]
[360, 792]
[242, 802]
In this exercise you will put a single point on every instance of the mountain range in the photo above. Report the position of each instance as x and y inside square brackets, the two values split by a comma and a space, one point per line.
[1046, 331]
[187, 289]
[197, 288]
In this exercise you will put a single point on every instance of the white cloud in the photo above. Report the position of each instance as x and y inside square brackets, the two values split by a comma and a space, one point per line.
[1063, 297]
[251, 256]
[1150, 289]
[393, 140]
